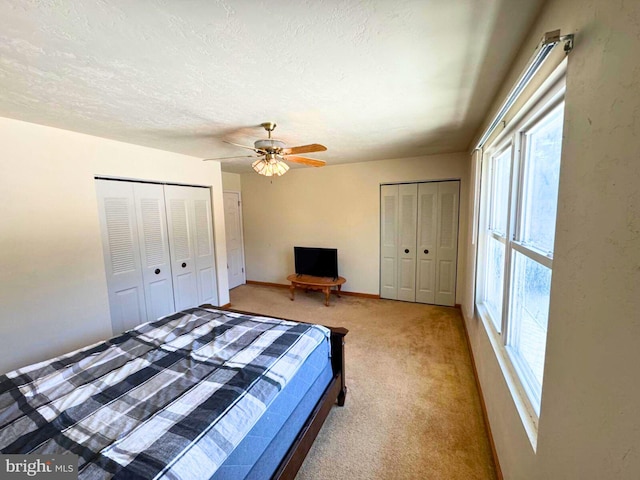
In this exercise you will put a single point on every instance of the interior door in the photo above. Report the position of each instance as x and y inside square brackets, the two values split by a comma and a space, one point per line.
[447, 242]
[117, 213]
[154, 249]
[179, 208]
[407, 212]
[235, 247]
[426, 249]
[389, 241]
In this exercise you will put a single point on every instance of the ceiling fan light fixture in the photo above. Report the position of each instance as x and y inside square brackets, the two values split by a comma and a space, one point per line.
[270, 166]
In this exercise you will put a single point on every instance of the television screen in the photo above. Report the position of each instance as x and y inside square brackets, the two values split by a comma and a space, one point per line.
[319, 262]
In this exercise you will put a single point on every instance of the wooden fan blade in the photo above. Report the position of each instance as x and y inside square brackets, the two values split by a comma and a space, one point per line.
[306, 161]
[225, 158]
[314, 147]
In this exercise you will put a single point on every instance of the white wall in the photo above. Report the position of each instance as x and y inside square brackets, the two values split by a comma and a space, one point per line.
[333, 206]
[589, 424]
[53, 291]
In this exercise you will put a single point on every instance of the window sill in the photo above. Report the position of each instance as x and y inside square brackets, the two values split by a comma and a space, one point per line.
[527, 415]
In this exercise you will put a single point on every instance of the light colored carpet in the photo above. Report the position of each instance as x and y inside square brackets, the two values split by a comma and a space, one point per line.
[412, 409]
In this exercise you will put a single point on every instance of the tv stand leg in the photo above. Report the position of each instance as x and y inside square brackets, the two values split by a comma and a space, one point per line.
[339, 290]
[292, 291]
[327, 293]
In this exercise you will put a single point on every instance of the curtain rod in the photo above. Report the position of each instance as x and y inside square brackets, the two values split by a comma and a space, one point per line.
[542, 51]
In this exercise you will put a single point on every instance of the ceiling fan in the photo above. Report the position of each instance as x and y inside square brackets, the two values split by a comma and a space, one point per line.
[271, 154]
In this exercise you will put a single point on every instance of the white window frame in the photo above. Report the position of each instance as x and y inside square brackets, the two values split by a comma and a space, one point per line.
[548, 97]
[489, 231]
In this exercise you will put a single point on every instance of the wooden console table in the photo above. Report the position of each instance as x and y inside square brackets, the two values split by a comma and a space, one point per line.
[309, 282]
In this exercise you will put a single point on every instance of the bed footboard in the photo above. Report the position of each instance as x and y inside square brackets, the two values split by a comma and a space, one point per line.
[337, 359]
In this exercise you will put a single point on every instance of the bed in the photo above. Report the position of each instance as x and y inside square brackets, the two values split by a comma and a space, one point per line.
[201, 394]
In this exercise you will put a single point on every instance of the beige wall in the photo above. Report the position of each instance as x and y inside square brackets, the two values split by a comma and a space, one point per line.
[231, 181]
[589, 424]
[334, 206]
[53, 291]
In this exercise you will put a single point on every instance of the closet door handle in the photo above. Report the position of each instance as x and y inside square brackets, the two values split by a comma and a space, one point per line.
[426, 251]
[406, 250]
[184, 264]
[157, 271]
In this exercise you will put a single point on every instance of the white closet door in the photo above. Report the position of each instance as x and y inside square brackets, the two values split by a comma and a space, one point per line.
[154, 249]
[447, 242]
[117, 214]
[389, 241]
[191, 245]
[427, 228]
[419, 242]
[179, 205]
[233, 232]
[203, 247]
[407, 212]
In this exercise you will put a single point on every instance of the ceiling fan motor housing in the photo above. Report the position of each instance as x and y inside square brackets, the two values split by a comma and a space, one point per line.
[270, 145]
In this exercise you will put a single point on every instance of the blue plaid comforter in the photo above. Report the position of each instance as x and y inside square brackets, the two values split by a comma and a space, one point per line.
[168, 399]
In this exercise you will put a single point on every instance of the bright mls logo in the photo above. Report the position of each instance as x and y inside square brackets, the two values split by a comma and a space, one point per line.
[51, 467]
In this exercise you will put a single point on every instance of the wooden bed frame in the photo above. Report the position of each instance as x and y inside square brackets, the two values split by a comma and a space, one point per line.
[335, 392]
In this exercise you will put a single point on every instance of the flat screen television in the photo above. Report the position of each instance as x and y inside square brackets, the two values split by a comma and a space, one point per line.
[319, 262]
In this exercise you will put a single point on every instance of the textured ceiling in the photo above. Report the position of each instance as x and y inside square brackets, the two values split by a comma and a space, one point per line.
[370, 79]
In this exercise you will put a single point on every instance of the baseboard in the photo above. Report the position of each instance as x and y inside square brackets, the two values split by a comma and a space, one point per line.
[335, 292]
[358, 294]
[485, 415]
[267, 284]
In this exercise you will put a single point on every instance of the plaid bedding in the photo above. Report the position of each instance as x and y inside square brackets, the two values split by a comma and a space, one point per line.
[168, 399]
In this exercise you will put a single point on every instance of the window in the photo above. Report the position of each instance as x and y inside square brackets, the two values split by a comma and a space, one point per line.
[500, 165]
[518, 208]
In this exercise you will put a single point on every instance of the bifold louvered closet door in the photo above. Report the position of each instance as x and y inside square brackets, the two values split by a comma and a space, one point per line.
[191, 245]
[419, 241]
[158, 249]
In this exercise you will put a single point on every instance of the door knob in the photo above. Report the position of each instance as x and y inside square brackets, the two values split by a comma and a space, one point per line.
[406, 250]
[184, 264]
[157, 271]
[426, 251]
